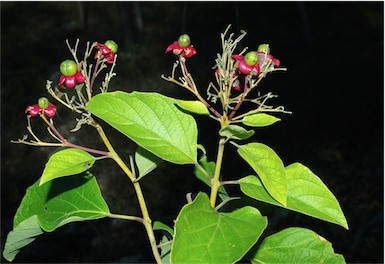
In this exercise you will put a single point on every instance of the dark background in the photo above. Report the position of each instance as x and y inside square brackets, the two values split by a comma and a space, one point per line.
[334, 86]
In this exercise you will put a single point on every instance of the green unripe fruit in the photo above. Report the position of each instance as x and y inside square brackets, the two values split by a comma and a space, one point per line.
[111, 45]
[43, 102]
[68, 68]
[264, 48]
[184, 40]
[251, 58]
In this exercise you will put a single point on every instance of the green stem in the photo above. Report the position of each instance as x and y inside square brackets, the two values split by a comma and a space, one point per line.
[229, 182]
[215, 183]
[126, 217]
[142, 203]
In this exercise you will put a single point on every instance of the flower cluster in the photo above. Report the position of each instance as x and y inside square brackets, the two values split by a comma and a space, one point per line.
[253, 63]
[71, 75]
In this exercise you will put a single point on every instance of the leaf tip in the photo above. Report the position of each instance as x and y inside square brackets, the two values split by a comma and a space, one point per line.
[42, 181]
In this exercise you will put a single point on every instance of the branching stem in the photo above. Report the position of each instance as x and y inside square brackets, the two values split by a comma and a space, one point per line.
[69, 144]
[147, 222]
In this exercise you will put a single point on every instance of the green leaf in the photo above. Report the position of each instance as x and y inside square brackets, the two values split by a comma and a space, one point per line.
[209, 168]
[269, 167]
[62, 201]
[202, 148]
[52, 205]
[307, 194]
[163, 227]
[259, 120]
[165, 250]
[65, 163]
[296, 245]
[196, 107]
[236, 132]
[152, 120]
[146, 161]
[21, 236]
[202, 235]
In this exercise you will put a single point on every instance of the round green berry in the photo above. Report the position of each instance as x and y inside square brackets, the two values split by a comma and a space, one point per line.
[111, 45]
[68, 68]
[264, 48]
[184, 40]
[251, 58]
[43, 102]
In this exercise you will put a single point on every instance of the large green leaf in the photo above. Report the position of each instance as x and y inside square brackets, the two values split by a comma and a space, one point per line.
[307, 194]
[296, 245]
[52, 205]
[269, 167]
[259, 120]
[22, 235]
[62, 201]
[202, 235]
[152, 120]
[65, 163]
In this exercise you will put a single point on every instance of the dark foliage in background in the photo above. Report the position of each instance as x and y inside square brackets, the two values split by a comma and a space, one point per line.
[334, 85]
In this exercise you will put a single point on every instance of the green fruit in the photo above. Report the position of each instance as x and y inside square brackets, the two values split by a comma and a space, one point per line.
[264, 48]
[184, 40]
[111, 45]
[251, 58]
[68, 68]
[43, 102]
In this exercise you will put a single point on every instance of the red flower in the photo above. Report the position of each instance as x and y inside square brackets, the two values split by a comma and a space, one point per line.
[244, 67]
[264, 60]
[187, 52]
[70, 81]
[105, 53]
[49, 111]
